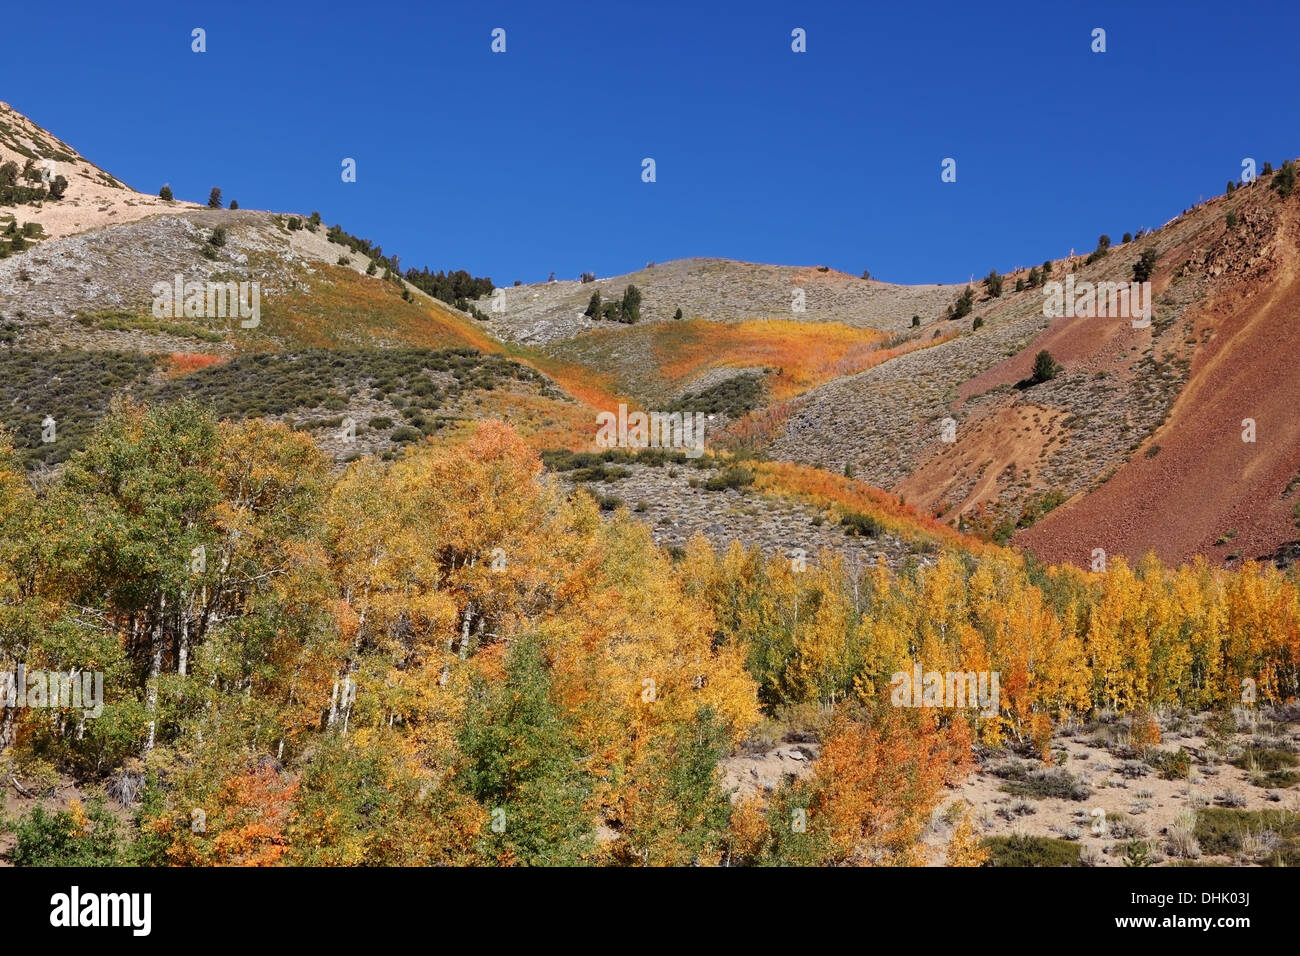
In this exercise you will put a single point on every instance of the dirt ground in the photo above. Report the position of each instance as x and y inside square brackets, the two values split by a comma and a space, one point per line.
[1138, 802]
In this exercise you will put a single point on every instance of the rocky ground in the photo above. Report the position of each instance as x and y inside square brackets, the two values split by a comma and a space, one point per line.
[1109, 781]
[664, 499]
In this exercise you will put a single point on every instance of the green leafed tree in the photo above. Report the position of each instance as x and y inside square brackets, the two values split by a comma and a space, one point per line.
[520, 764]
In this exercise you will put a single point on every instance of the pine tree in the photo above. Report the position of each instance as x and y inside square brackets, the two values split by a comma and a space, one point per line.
[1045, 367]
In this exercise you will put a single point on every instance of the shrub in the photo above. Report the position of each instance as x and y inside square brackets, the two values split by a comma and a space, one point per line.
[165, 193]
[1269, 766]
[214, 198]
[1225, 832]
[733, 476]
[993, 283]
[859, 525]
[1103, 247]
[1137, 853]
[1045, 368]
[916, 321]
[218, 237]
[963, 306]
[978, 323]
[677, 314]
[1056, 783]
[1284, 181]
[1128, 237]
[1021, 850]
[593, 306]
[1171, 765]
[630, 309]
[732, 397]
[1180, 837]
[1145, 266]
[58, 186]
[77, 836]
[1231, 219]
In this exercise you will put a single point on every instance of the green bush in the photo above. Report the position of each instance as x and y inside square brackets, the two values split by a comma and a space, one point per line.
[1284, 181]
[963, 306]
[1103, 247]
[1270, 766]
[1056, 783]
[1221, 831]
[857, 524]
[1020, 850]
[1171, 765]
[993, 283]
[732, 397]
[630, 305]
[65, 838]
[1045, 368]
[733, 476]
[1145, 265]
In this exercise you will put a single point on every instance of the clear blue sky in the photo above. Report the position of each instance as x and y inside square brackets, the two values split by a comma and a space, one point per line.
[512, 165]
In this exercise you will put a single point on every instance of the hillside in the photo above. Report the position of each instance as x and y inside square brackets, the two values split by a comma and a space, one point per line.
[720, 290]
[1194, 486]
[94, 198]
[362, 590]
[1219, 297]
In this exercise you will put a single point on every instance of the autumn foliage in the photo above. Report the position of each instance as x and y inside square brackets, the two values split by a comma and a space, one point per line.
[446, 659]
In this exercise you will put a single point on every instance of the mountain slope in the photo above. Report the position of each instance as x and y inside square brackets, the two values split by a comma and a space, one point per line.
[1197, 487]
[1221, 296]
[95, 198]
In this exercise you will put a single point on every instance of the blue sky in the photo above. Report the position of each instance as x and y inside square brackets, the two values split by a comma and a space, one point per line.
[513, 165]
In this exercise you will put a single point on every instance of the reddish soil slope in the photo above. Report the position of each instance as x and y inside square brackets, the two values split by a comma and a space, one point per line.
[1196, 487]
